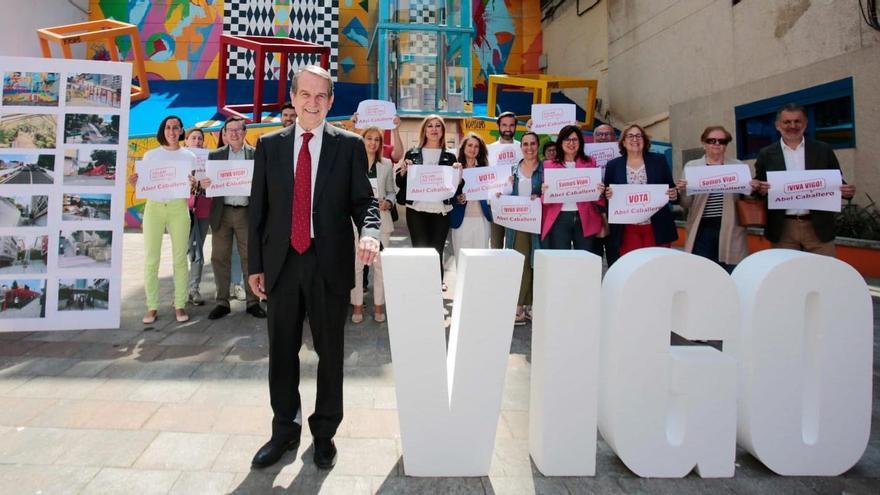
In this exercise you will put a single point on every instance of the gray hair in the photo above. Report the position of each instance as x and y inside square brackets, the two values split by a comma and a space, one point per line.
[790, 107]
[316, 70]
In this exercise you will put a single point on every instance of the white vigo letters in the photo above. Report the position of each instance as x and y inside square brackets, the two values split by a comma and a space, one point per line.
[565, 362]
[448, 405]
[805, 358]
[666, 409]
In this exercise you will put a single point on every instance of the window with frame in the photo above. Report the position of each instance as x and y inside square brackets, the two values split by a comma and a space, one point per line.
[830, 118]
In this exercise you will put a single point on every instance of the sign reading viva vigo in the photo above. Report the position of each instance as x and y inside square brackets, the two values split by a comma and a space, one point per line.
[792, 387]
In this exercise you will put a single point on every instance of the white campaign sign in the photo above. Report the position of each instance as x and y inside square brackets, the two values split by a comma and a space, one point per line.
[229, 177]
[504, 154]
[571, 184]
[518, 213]
[793, 384]
[718, 179]
[631, 203]
[484, 182]
[199, 164]
[666, 409]
[430, 182]
[602, 152]
[550, 118]
[378, 113]
[807, 189]
[562, 412]
[805, 354]
[162, 180]
[449, 402]
[62, 244]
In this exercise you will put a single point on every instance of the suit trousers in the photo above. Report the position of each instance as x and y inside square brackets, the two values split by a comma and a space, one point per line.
[299, 292]
[800, 235]
[233, 223]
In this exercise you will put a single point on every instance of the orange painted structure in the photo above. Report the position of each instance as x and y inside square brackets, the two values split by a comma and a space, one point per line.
[105, 31]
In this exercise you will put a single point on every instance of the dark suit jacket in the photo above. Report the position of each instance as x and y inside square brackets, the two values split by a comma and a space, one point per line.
[817, 156]
[222, 153]
[658, 172]
[342, 193]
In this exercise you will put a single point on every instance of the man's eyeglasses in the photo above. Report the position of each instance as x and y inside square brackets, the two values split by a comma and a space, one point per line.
[722, 141]
[234, 131]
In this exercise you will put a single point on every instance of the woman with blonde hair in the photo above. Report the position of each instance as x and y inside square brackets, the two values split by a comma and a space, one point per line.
[382, 177]
[427, 221]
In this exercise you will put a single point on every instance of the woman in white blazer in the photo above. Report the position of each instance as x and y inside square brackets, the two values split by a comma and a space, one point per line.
[382, 177]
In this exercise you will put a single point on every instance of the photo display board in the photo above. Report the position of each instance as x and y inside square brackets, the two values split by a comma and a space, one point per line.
[63, 144]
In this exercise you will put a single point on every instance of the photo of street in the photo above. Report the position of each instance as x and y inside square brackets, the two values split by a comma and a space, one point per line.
[85, 207]
[23, 253]
[83, 294]
[22, 298]
[23, 211]
[20, 130]
[39, 89]
[26, 169]
[85, 248]
[94, 90]
[89, 167]
[86, 128]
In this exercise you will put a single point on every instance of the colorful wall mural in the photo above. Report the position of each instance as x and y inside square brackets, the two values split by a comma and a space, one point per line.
[181, 37]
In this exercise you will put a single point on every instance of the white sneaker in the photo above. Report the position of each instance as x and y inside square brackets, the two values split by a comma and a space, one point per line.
[195, 297]
[238, 292]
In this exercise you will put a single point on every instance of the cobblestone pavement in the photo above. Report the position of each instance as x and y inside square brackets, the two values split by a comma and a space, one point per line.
[181, 408]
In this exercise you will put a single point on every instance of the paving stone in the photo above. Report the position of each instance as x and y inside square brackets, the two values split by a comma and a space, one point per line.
[106, 336]
[591, 485]
[52, 335]
[59, 480]
[24, 445]
[193, 418]
[124, 481]
[182, 451]
[525, 486]
[384, 398]
[245, 393]
[194, 353]
[212, 371]
[511, 458]
[245, 420]
[56, 349]
[101, 448]
[394, 485]
[692, 484]
[518, 422]
[239, 450]
[371, 423]
[91, 413]
[251, 371]
[18, 411]
[26, 367]
[188, 338]
[203, 483]
[363, 456]
[13, 336]
[54, 387]
[87, 369]
[17, 347]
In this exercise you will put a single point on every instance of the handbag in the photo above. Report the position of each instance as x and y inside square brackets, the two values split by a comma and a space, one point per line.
[752, 212]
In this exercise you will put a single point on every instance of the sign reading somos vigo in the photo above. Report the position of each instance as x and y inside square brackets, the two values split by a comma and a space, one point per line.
[792, 387]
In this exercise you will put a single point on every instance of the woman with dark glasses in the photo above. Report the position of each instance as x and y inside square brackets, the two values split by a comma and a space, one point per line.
[713, 230]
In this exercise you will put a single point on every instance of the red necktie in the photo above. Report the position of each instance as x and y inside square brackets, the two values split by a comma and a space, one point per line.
[300, 228]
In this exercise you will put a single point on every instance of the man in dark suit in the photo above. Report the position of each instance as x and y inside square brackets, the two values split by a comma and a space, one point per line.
[229, 218]
[310, 182]
[806, 230]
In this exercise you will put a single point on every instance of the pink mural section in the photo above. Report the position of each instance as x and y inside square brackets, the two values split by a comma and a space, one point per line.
[507, 38]
[180, 37]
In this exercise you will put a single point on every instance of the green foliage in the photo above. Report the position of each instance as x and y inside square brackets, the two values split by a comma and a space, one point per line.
[860, 222]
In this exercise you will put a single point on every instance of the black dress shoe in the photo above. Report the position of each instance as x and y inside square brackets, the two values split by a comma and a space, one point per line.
[325, 453]
[256, 311]
[218, 312]
[271, 452]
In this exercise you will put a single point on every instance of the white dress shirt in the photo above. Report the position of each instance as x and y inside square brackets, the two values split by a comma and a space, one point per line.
[315, 152]
[794, 162]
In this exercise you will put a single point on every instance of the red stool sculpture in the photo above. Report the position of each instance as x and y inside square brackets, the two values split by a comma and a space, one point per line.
[261, 45]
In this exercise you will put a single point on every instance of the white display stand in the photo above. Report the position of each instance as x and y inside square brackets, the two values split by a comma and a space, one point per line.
[667, 409]
[805, 362]
[82, 253]
[565, 362]
[448, 403]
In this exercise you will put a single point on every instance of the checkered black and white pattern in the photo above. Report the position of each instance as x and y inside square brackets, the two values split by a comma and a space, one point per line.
[419, 81]
[309, 20]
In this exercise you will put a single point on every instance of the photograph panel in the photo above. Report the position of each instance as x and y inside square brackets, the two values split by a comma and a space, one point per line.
[22, 298]
[94, 90]
[83, 294]
[85, 206]
[25, 130]
[36, 89]
[20, 168]
[85, 248]
[24, 210]
[23, 253]
[89, 128]
[89, 167]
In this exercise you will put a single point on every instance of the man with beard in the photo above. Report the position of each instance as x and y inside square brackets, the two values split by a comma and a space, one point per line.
[505, 151]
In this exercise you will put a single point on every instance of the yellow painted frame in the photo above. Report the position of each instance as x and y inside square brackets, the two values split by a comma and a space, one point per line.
[541, 86]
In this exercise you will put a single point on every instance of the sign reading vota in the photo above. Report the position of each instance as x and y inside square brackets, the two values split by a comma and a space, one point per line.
[792, 387]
